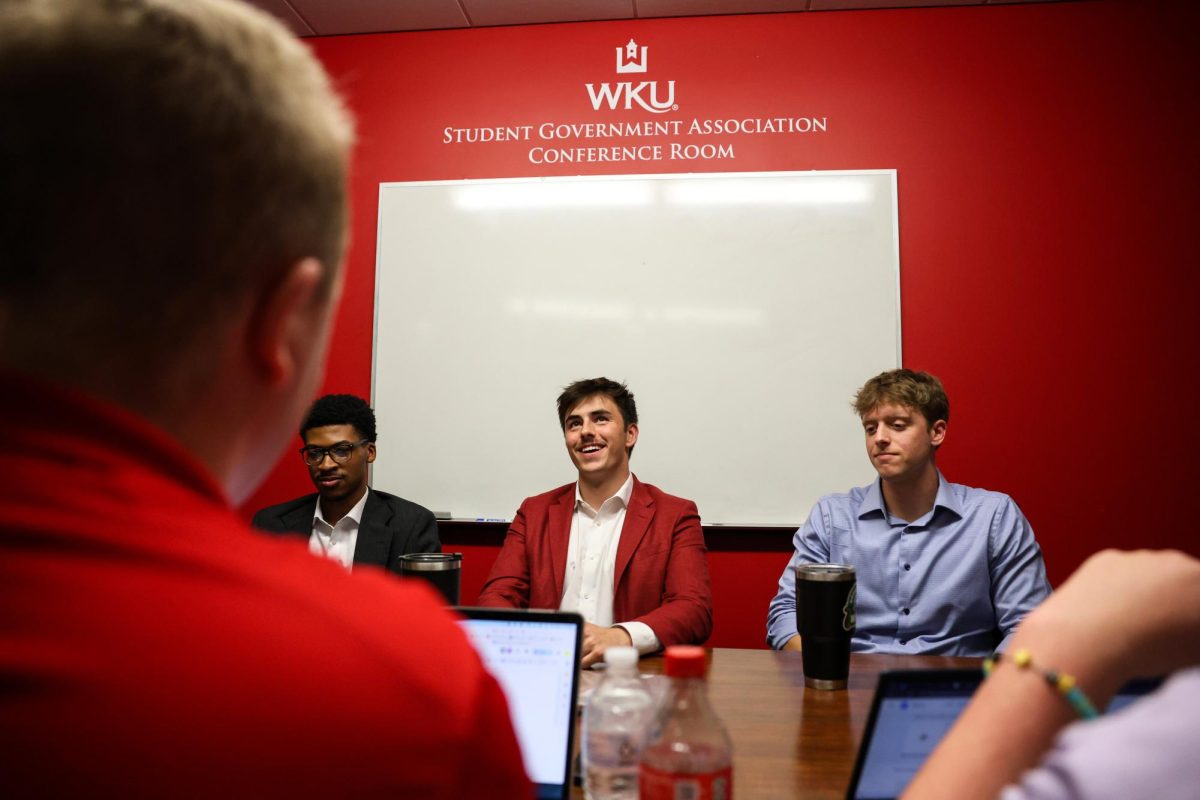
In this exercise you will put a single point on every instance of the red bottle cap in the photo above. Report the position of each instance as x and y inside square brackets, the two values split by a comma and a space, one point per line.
[686, 661]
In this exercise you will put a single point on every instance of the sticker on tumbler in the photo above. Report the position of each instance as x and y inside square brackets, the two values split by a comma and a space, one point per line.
[848, 609]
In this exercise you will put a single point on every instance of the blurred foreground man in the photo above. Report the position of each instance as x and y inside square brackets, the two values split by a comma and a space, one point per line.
[172, 215]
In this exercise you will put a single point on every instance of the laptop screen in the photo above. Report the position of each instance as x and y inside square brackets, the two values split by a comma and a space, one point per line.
[912, 711]
[534, 656]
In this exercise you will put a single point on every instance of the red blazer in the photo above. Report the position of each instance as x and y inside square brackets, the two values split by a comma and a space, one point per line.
[661, 571]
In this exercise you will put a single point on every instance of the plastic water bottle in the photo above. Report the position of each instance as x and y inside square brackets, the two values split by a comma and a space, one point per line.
[691, 755]
[616, 721]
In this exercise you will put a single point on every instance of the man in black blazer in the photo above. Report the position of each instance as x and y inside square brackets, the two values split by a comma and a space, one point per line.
[347, 521]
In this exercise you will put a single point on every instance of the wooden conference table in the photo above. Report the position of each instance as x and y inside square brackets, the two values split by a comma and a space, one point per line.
[789, 741]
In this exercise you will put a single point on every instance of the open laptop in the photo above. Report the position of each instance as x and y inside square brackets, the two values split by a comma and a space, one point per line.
[534, 656]
[912, 711]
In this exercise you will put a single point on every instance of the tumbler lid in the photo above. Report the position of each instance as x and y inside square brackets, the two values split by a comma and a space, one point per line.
[825, 572]
[430, 562]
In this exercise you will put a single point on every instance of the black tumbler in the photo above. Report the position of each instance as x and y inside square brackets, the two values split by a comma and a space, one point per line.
[443, 570]
[825, 595]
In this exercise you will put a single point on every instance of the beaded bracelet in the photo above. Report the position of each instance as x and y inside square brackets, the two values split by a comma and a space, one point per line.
[1063, 683]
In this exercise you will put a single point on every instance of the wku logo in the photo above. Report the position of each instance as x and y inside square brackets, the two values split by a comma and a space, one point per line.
[626, 94]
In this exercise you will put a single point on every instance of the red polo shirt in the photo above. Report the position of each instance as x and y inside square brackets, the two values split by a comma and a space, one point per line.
[152, 643]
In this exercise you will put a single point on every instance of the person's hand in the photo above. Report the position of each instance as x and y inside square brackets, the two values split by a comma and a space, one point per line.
[1133, 613]
[1121, 615]
[794, 643]
[596, 640]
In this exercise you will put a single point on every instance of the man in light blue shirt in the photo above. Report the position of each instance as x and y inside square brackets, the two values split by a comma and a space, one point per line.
[942, 568]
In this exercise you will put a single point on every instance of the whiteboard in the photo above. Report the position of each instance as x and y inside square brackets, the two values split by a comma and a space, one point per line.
[742, 309]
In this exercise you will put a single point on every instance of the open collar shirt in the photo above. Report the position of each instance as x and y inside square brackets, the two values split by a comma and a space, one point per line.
[590, 579]
[957, 581]
[337, 542]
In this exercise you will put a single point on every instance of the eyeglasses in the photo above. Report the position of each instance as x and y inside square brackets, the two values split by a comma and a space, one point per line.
[339, 452]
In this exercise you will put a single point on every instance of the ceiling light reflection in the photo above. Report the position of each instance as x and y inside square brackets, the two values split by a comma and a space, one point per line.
[781, 191]
[552, 194]
[568, 309]
[622, 313]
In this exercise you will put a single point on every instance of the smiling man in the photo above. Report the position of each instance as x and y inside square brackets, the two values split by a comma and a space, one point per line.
[626, 555]
[347, 521]
[942, 568]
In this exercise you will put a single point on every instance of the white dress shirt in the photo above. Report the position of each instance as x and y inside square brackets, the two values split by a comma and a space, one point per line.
[336, 542]
[592, 563]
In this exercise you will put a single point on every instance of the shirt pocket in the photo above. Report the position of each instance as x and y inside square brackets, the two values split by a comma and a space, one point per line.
[647, 569]
[841, 546]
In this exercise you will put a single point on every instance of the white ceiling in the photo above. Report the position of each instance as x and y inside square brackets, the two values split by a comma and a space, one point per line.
[332, 17]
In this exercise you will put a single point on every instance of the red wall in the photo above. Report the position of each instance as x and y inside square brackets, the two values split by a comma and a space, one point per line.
[1048, 180]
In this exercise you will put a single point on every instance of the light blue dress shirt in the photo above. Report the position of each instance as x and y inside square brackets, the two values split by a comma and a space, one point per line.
[957, 581]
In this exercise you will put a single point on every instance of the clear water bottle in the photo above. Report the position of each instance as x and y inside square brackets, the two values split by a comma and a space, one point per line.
[691, 755]
[616, 721]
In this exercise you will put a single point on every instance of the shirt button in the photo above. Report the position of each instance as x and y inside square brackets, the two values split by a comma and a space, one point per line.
[907, 567]
[904, 641]
[904, 611]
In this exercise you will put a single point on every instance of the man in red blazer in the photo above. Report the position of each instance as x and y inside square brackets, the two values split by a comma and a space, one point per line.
[626, 555]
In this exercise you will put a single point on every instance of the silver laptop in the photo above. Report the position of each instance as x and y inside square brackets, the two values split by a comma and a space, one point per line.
[534, 655]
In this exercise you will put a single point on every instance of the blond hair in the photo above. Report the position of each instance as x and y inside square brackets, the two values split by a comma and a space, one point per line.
[160, 161]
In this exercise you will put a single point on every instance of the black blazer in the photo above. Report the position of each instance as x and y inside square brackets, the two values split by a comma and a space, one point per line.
[390, 527]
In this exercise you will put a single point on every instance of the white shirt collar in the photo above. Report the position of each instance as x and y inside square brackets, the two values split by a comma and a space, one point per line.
[354, 513]
[623, 494]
